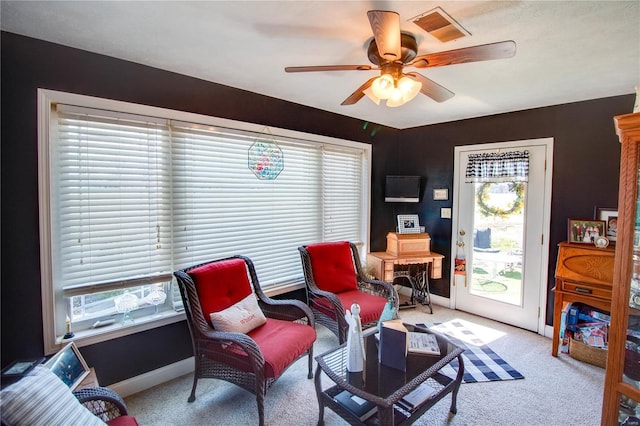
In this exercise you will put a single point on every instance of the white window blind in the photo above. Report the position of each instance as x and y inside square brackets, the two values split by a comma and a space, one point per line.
[222, 209]
[111, 187]
[341, 194]
[134, 198]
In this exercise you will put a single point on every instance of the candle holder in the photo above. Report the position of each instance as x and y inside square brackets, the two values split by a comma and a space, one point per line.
[68, 334]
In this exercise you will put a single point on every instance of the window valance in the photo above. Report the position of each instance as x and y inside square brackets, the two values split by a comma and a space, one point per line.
[512, 166]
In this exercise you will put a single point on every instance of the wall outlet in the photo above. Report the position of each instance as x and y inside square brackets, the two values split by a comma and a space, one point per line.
[445, 213]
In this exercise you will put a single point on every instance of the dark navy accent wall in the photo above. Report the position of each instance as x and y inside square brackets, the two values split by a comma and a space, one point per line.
[29, 64]
[585, 174]
[586, 162]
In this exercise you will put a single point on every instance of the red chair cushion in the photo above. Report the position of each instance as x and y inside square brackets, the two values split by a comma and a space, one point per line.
[221, 284]
[281, 343]
[371, 306]
[332, 266]
[123, 421]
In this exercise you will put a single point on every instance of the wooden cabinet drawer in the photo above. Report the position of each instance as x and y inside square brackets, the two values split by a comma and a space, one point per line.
[588, 289]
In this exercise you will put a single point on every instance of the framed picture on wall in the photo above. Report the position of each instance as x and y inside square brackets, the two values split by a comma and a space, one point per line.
[408, 224]
[441, 194]
[610, 216]
[585, 231]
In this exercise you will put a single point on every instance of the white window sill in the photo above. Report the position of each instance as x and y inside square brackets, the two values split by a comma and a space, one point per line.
[117, 329]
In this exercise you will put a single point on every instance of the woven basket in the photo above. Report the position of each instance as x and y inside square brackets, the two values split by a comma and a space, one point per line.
[585, 353]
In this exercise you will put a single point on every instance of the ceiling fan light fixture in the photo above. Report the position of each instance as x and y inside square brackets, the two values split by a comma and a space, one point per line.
[396, 99]
[409, 88]
[370, 95]
[382, 87]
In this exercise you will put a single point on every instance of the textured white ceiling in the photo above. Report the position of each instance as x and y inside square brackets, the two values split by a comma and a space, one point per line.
[567, 51]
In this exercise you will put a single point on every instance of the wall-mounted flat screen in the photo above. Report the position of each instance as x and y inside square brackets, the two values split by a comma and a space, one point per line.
[402, 189]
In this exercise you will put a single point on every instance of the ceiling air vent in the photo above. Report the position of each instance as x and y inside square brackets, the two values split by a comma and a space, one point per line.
[440, 25]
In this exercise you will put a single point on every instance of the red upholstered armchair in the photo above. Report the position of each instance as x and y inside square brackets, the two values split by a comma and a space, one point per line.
[236, 339]
[335, 280]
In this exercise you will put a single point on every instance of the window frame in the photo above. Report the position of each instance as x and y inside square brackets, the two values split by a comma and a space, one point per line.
[46, 100]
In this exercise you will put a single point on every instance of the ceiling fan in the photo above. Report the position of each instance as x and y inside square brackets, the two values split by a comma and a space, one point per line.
[391, 50]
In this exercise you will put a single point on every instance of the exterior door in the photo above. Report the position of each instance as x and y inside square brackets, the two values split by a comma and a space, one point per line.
[501, 231]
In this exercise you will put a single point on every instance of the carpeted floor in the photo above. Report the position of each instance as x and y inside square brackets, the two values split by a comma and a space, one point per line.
[554, 391]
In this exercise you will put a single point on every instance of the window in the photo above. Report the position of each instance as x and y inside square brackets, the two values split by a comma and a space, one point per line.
[132, 193]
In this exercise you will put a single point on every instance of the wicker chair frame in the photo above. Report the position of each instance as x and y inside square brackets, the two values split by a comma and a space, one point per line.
[102, 402]
[337, 322]
[213, 360]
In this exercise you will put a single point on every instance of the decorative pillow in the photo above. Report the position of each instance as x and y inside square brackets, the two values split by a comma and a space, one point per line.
[332, 265]
[41, 399]
[221, 284]
[242, 317]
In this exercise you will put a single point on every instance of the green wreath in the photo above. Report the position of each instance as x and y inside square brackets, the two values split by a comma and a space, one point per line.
[487, 210]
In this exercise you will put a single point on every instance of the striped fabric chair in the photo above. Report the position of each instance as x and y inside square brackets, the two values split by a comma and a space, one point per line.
[41, 398]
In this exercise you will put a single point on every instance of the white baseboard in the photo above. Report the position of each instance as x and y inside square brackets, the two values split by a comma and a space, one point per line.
[153, 378]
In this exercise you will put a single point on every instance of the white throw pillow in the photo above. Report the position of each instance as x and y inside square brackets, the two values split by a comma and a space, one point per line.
[42, 399]
[242, 317]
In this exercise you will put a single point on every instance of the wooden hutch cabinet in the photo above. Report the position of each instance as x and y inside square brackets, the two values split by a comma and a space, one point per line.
[621, 403]
[584, 273]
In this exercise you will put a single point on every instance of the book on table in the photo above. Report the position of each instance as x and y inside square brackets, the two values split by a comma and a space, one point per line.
[413, 399]
[359, 407]
[423, 343]
[393, 344]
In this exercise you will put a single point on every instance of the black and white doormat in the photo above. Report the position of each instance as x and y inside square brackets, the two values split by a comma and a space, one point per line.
[481, 363]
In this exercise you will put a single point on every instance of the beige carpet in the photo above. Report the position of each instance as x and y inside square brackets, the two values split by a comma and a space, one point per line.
[554, 391]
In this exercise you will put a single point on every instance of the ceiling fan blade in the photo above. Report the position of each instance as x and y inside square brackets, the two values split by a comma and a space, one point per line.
[330, 68]
[386, 30]
[484, 52]
[431, 88]
[358, 94]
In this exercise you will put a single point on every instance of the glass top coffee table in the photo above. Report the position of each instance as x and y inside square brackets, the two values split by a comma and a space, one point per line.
[385, 386]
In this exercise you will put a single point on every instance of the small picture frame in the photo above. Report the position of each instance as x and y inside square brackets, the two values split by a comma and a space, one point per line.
[20, 367]
[69, 365]
[440, 194]
[408, 224]
[585, 231]
[610, 216]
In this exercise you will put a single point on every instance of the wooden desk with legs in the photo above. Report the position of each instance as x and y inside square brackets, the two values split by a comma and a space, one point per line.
[383, 265]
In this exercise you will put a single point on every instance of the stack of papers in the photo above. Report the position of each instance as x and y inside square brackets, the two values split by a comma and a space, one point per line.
[423, 343]
[413, 399]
